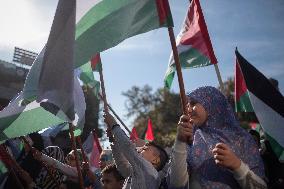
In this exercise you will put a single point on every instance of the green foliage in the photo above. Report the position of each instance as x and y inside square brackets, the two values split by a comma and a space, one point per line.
[162, 107]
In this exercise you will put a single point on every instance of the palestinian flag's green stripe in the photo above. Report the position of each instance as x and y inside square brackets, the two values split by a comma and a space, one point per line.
[27, 122]
[191, 58]
[244, 105]
[110, 22]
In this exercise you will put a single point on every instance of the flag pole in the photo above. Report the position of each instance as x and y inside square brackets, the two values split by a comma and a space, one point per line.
[103, 88]
[178, 69]
[81, 147]
[9, 166]
[114, 113]
[73, 142]
[219, 78]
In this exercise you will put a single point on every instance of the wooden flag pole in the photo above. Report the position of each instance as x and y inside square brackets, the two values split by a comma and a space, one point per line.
[81, 147]
[9, 165]
[114, 113]
[80, 177]
[103, 89]
[178, 69]
[219, 78]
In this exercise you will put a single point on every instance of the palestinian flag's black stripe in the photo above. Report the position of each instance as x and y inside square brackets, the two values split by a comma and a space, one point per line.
[260, 86]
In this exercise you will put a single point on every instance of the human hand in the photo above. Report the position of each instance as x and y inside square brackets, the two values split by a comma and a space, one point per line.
[36, 154]
[185, 129]
[85, 166]
[109, 134]
[109, 119]
[25, 176]
[225, 157]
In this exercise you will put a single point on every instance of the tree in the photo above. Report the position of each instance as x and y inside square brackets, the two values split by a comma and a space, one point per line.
[162, 107]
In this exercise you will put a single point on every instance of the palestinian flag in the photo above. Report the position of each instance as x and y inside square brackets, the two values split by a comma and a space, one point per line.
[17, 120]
[267, 103]
[149, 133]
[93, 150]
[111, 21]
[85, 74]
[133, 135]
[193, 44]
[242, 102]
[96, 63]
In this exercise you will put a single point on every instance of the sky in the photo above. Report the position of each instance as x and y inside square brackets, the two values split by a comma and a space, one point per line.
[256, 27]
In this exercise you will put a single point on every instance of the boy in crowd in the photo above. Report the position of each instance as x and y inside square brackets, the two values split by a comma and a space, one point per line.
[111, 178]
[141, 165]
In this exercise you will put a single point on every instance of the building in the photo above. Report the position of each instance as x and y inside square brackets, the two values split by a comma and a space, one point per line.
[12, 79]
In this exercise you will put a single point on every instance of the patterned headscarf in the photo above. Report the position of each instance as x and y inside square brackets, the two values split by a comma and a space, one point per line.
[221, 127]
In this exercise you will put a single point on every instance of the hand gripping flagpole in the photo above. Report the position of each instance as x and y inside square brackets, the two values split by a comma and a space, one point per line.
[82, 150]
[114, 113]
[73, 142]
[177, 64]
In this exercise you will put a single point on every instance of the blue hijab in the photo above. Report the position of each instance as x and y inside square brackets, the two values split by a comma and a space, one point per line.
[221, 126]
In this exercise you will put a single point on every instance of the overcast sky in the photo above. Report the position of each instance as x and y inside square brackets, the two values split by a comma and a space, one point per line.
[255, 26]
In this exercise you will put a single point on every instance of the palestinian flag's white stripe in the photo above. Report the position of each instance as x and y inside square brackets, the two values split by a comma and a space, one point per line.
[267, 102]
[16, 120]
[271, 121]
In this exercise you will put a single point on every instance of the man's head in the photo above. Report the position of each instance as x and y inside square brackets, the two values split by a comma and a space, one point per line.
[274, 82]
[111, 178]
[105, 158]
[154, 154]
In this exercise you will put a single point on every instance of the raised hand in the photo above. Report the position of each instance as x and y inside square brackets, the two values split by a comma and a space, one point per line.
[224, 156]
[109, 119]
[185, 129]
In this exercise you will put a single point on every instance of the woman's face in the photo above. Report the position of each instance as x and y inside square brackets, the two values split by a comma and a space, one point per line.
[197, 113]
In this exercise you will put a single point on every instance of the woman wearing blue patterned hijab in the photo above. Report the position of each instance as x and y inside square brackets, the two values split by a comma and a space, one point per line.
[221, 154]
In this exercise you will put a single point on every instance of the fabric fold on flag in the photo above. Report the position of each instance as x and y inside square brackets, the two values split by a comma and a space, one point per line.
[55, 86]
[267, 103]
[193, 44]
[19, 120]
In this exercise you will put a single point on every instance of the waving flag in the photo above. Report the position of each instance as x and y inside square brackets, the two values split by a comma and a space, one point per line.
[242, 102]
[50, 88]
[93, 149]
[133, 135]
[110, 22]
[267, 103]
[56, 79]
[193, 44]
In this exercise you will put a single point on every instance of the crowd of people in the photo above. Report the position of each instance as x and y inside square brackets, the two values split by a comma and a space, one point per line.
[211, 150]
